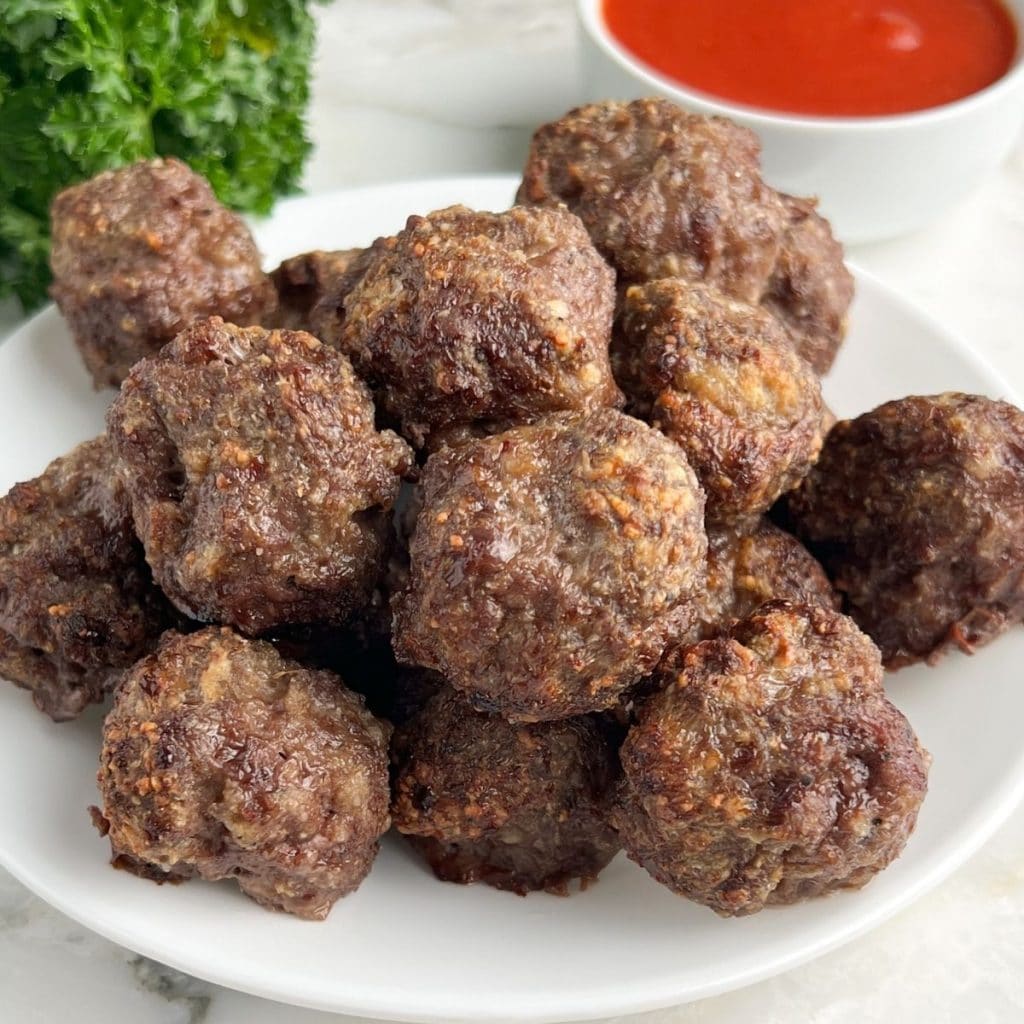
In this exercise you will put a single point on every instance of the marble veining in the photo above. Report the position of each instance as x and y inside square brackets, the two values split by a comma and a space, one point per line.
[172, 986]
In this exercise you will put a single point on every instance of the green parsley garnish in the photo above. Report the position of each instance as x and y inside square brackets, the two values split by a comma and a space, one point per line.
[91, 84]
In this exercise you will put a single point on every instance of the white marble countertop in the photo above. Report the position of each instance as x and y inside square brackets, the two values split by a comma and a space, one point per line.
[414, 88]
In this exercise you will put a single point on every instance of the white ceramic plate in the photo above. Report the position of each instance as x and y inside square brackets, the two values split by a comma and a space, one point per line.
[406, 946]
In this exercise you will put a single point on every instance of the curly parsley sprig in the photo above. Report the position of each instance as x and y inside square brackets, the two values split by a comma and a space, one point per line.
[91, 84]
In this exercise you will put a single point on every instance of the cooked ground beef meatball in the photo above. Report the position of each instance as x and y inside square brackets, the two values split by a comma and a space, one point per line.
[360, 650]
[810, 289]
[746, 570]
[549, 563]
[327, 314]
[771, 767]
[77, 601]
[305, 280]
[223, 760]
[721, 379]
[662, 192]
[259, 485]
[139, 253]
[481, 320]
[665, 193]
[520, 807]
[916, 510]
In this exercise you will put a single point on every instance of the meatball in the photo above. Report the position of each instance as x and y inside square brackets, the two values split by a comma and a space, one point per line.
[304, 281]
[520, 807]
[221, 759]
[746, 570]
[662, 192]
[327, 314]
[77, 601]
[721, 379]
[259, 484]
[481, 320]
[139, 253]
[549, 563]
[916, 510]
[810, 288]
[772, 767]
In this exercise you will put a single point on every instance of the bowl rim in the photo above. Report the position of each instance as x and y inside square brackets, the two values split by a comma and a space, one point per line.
[591, 16]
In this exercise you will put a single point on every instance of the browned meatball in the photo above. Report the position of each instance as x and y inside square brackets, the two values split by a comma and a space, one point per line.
[77, 602]
[662, 192]
[520, 807]
[916, 510]
[771, 768]
[360, 650]
[481, 320]
[139, 253]
[810, 289]
[549, 563]
[327, 314]
[721, 378]
[259, 485]
[222, 760]
[746, 570]
[311, 278]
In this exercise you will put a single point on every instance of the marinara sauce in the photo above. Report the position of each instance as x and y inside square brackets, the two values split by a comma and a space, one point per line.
[822, 57]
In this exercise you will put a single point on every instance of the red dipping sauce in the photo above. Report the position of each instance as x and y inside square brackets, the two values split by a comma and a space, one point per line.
[823, 57]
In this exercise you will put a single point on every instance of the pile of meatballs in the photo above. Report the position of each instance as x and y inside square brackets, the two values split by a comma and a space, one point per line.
[527, 533]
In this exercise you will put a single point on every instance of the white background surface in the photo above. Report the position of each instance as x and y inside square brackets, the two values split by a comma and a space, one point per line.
[410, 88]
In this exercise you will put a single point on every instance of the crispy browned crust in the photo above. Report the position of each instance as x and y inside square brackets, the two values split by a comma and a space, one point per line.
[520, 807]
[222, 760]
[469, 321]
[771, 767]
[140, 252]
[662, 192]
[77, 601]
[810, 289]
[916, 510]
[549, 562]
[665, 193]
[721, 378]
[259, 485]
[746, 570]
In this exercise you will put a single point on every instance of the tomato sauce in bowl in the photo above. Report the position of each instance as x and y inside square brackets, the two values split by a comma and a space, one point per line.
[848, 58]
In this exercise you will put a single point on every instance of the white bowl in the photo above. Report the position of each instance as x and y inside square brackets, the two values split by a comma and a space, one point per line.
[876, 177]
